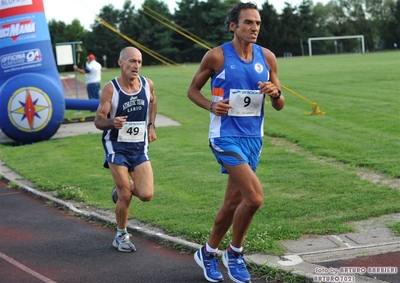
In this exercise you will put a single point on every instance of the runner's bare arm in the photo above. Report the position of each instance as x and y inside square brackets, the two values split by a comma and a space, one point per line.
[211, 63]
[152, 112]
[101, 121]
[273, 86]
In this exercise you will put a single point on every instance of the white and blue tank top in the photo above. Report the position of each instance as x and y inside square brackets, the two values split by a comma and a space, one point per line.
[238, 80]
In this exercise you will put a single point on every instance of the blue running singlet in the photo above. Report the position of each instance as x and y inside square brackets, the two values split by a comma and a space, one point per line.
[238, 80]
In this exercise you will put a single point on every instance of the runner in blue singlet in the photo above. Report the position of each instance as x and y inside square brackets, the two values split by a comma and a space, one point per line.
[243, 74]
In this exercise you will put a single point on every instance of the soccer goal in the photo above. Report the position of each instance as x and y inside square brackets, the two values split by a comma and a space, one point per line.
[354, 47]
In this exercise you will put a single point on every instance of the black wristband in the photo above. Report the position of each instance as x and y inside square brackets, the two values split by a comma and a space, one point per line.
[278, 96]
[151, 124]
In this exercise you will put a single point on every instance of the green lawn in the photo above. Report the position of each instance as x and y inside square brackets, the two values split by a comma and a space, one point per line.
[308, 167]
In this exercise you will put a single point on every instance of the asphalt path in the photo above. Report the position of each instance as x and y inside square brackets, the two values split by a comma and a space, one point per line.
[40, 243]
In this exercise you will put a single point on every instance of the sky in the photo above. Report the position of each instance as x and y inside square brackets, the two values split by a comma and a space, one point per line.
[85, 10]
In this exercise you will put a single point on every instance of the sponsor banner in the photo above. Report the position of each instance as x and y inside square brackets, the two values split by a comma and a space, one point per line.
[7, 4]
[10, 8]
[19, 59]
[26, 58]
[23, 29]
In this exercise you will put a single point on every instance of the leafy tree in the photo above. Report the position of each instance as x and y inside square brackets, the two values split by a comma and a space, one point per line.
[102, 40]
[338, 20]
[386, 17]
[269, 36]
[155, 35]
[357, 11]
[393, 25]
[214, 14]
[129, 24]
[75, 31]
[198, 25]
[321, 16]
[289, 28]
[56, 30]
[189, 21]
[307, 27]
[60, 33]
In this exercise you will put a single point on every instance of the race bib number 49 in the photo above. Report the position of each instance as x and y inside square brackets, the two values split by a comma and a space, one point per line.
[132, 132]
[245, 102]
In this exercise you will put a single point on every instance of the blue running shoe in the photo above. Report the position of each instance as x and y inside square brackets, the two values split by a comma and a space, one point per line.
[209, 263]
[236, 266]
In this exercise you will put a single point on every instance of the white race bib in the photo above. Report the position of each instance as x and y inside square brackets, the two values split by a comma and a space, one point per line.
[245, 102]
[132, 132]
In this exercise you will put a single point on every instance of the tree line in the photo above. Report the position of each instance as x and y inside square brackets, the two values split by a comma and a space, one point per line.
[185, 35]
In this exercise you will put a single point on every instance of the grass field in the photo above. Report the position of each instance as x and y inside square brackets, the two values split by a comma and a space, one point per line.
[310, 166]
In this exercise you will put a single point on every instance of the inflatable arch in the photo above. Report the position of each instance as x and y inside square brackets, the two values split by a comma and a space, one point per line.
[32, 103]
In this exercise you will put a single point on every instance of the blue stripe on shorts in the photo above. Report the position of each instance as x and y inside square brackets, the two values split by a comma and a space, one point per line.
[234, 151]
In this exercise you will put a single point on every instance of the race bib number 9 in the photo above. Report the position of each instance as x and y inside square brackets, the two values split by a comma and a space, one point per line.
[132, 132]
[245, 102]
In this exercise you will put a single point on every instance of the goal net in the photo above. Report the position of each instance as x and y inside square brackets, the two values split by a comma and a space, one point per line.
[336, 45]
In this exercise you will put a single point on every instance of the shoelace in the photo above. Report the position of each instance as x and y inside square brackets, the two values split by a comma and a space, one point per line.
[125, 237]
[239, 260]
[214, 265]
[241, 264]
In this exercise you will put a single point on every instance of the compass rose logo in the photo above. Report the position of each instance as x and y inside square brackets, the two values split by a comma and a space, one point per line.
[29, 109]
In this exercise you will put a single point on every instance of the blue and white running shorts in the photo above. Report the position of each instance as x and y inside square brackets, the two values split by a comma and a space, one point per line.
[234, 151]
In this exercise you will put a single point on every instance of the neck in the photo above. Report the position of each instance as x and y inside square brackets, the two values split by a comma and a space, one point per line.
[244, 50]
[130, 84]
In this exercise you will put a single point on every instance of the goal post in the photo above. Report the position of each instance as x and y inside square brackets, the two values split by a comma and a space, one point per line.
[311, 39]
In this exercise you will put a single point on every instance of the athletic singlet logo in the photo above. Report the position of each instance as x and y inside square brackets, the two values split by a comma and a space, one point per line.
[259, 68]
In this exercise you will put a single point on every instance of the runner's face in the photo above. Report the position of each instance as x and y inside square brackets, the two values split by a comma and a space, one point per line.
[131, 64]
[248, 27]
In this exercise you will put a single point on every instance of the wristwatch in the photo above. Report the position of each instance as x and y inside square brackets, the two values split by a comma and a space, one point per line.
[278, 96]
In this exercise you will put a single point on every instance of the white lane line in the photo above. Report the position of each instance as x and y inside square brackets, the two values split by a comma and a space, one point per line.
[26, 269]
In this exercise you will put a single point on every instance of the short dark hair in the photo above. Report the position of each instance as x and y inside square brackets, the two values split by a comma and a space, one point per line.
[233, 15]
